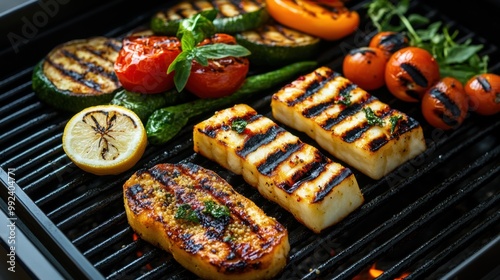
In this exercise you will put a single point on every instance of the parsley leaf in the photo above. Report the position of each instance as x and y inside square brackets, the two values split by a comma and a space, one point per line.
[394, 122]
[216, 210]
[185, 212]
[344, 98]
[371, 118]
[239, 125]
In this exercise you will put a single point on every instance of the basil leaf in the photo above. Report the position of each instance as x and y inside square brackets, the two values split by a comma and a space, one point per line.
[216, 51]
[198, 27]
[199, 57]
[188, 42]
[182, 56]
[209, 14]
[182, 71]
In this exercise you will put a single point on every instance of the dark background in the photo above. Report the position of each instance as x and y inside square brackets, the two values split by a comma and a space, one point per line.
[24, 36]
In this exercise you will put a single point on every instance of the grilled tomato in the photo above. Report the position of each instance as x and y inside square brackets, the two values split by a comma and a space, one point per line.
[389, 41]
[365, 67]
[410, 72]
[329, 20]
[221, 77]
[142, 63]
[445, 104]
[484, 93]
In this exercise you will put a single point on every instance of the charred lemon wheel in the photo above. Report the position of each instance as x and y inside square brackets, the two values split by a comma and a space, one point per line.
[104, 139]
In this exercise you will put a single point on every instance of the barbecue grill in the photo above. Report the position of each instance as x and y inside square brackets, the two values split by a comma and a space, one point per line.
[437, 216]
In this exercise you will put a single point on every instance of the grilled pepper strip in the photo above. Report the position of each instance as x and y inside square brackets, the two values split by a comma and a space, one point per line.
[145, 104]
[166, 122]
[329, 20]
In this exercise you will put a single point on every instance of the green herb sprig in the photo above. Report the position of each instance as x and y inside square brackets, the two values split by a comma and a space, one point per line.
[239, 125]
[216, 210]
[191, 32]
[371, 118]
[185, 212]
[458, 60]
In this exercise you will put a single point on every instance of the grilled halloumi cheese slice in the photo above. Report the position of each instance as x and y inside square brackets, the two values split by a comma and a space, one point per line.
[296, 175]
[348, 122]
[208, 227]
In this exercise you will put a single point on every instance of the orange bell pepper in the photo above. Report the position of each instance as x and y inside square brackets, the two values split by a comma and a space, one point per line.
[326, 19]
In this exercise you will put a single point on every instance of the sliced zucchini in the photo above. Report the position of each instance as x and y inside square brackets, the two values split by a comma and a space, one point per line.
[232, 17]
[78, 74]
[275, 44]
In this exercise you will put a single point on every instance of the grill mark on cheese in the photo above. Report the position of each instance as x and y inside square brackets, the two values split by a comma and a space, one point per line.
[256, 140]
[349, 111]
[335, 181]
[309, 172]
[185, 184]
[314, 86]
[214, 227]
[278, 157]
[355, 133]
[317, 109]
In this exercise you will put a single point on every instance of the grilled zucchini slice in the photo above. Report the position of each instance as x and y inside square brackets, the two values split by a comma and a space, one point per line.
[275, 44]
[232, 16]
[78, 74]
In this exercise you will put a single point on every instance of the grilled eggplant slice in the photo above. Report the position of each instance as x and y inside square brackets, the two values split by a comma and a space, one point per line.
[297, 176]
[78, 74]
[208, 227]
[348, 122]
[232, 16]
[274, 44]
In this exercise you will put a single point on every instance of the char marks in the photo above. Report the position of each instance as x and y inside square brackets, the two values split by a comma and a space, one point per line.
[314, 86]
[86, 65]
[278, 157]
[253, 142]
[349, 111]
[334, 181]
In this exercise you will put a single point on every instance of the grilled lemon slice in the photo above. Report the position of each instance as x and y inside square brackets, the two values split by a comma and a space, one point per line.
[105, 139]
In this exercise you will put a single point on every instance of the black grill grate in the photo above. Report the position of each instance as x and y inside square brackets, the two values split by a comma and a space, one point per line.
[423, 219]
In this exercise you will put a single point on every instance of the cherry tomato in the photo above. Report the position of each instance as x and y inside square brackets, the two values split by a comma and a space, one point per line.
[142, 63]
[410, 72]
[484, 93]
[445, 104]
[222, 76]
[389, 41]
[365, 67]
[329, 20]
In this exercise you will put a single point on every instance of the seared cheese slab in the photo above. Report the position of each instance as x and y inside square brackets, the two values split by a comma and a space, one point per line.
[297, 176]
[348, 122]
[208, 227]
